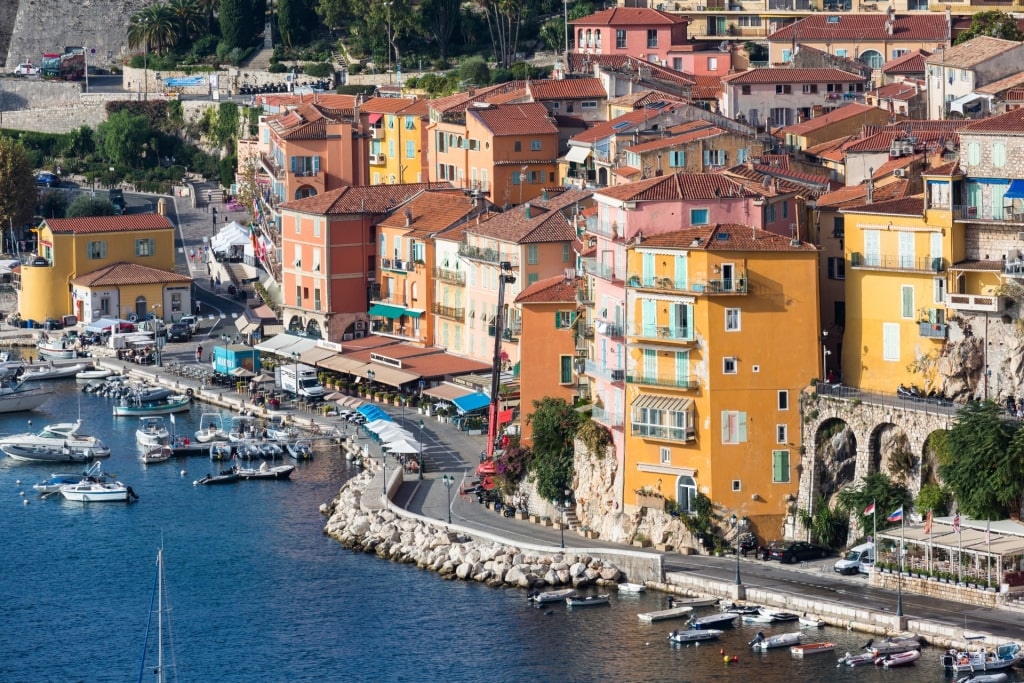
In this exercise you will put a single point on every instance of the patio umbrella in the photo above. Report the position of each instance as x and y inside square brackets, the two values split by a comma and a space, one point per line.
[242, 372]
[333, 396]
[402, 447]
[262, 379]
[395, 435]
[377, 426]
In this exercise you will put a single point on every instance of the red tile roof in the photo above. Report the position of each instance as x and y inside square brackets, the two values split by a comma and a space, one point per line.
[385, 105]
[946, 170]
[1002, 85]
[1010, 122]
[729, 237]
[903, 206]
[307, 122]
[910, 63]
[361, 199]
[128, 274]
[683, 138]
[546, 222]
[897, 91]
[899, 162]
[638, 119]
[821, 149]
[843, 113]
[431, 212]
[629, 16]
[854, 195]
[678, 186]
[776, 75]
[863, 28]
[135, 222]
[927, 134]
[567, 89]
[550, 290]
[461, 100]
[973, 52]
[530, 118]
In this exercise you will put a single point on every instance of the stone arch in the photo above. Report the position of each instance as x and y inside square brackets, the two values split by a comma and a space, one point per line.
[304, 191]
[930, 459]
[296, 324]
[835, 464]
[891, 452]
[313, 329]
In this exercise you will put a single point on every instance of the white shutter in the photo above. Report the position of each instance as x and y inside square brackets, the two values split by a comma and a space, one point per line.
[891, 341]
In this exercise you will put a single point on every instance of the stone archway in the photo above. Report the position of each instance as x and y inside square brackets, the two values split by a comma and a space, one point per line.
[313, 330]
[891, 453]
[930, 460]
[835, 465]
[296, 324]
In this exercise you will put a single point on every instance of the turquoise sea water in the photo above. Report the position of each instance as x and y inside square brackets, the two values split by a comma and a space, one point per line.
[258, 593]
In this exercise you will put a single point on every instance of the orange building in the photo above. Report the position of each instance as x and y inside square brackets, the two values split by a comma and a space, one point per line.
[546, 368]
[404, 306]
[329, 257]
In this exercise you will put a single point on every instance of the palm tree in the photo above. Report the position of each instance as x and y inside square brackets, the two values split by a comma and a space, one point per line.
[152, 27]
[189, 18]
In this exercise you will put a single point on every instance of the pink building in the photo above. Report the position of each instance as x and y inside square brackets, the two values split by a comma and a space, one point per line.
[633, 31]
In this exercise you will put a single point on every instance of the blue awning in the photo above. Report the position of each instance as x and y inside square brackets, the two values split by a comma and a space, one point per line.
[1015, 191]
[471, 402]
[386, 311]
[372, 412]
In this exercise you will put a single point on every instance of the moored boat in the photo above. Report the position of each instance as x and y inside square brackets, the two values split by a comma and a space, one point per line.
[43, 453]
[892, 646]
[805, 649]
[632, 588]
[984, 678]
[152, 431]
[51, 371]
[228, 476]
[93, 490]
[64, 348]
[221, 450]
[58, 479]
[15, 398]
[720, 620]
[741, 609]
[156, 454]
[587, 600]
[811, 621]
[856, 660]
[211, 428]
[93, 375]
[542, 598]
[174, 404]
[899, 659]
[60, 435]
[1003, 657]
[762, 643]
[300, 450]
[265, 471]
[694, 635]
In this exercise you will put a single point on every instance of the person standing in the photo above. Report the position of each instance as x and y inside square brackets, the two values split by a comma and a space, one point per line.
[199, 353]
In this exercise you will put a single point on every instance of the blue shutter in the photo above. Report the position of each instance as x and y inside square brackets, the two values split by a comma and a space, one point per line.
[295, 163]
[316, 165]
[707, 157]
[680, 271]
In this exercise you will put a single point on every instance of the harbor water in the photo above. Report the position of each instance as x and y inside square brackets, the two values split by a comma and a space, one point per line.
[258, 593]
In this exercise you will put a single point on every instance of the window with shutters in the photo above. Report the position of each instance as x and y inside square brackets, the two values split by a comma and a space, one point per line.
[665, 455]
[781, 434]
[96, 250]
[907, 301]
[998, 154]
[145, 247]
[891, 341]
[734, 427]
[973, 153]
[939, 290]
[620, 39]
[677, 159]
[729, 366]
[531, 254]
[563, 319]
[565, 375]
[780, 467]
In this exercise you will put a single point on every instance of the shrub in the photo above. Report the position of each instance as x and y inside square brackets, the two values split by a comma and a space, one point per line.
[320, 70]
[277, 68]
[356, 68]
[475, 70]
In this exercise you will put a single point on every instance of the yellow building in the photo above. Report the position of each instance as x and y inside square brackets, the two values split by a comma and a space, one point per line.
[722, 338]
[398, 149]
[898, 253]
[72, 248]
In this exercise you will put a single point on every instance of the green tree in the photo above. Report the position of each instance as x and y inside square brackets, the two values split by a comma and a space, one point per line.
[504, 18]
[294, 20]
[86, 205]
[552, 32]
[240, 22]
[335, 13]
[153, 27]
[475, 71]
[993, 23]
[80, 142]
[441, 19]
[226, 130]
[53, 204]
[879, 489]
[981, 460]
[933, 497]
[121, 137]
[554, 424]
[189, 19]
[827, 525]
[17, 184]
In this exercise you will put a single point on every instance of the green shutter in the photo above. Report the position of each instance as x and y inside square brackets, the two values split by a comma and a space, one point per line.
[566, 369]
[741, 430]
[725, 426]
[780, 466]
[558, 320]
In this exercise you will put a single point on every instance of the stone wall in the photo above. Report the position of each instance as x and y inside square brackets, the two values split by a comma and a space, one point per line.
[23, 93]
[937, 589]
[54, 120]
[228, 80]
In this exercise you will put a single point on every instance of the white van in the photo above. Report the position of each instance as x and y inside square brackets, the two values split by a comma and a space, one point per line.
[860, 558]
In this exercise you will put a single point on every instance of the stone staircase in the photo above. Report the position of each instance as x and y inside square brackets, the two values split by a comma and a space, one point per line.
[571, 520]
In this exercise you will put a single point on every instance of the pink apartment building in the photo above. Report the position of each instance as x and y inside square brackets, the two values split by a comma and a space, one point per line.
[648, 34]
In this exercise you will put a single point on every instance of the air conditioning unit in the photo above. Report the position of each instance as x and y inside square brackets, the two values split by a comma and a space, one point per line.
[359, 335]
[376, 158]
[360, 325]
[900, 172]
[346, 337]
[618, 375]
[376, 132]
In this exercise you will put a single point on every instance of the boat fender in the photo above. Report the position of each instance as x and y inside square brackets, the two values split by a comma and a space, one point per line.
[189, 392]
[131, 494]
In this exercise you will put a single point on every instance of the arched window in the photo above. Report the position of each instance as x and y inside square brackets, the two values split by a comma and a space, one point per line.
[296, 324]
[686, 493]
[872, 58]
[305, 191]
[414, 292]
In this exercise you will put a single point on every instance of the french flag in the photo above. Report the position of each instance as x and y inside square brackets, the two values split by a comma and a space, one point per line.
[870, 509]
[896, 516]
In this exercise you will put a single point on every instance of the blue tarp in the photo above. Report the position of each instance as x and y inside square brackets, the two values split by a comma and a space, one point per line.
[371, 413]
[471, 402]
[183, 82]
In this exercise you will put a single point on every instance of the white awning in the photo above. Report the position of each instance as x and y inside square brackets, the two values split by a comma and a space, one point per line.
[667, 403]
[577, 155]
[244, 325]
[959, 103]
[298, 348]
[386, 375]
[315, 355]
[277, 342]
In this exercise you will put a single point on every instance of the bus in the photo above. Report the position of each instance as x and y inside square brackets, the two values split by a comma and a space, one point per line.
[69, 66]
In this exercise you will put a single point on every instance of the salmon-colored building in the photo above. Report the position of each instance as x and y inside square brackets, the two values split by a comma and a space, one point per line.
[546, 369]
[632, 31]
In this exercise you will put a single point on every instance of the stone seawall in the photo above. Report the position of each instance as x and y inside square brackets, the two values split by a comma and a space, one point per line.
[55, 120]
[452, 553]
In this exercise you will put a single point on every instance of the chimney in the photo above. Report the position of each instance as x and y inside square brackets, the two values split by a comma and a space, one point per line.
[527, 207]
[871, 188]
[408, 217]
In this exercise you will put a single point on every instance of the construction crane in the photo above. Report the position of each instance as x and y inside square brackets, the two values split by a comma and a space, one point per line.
[505, 277]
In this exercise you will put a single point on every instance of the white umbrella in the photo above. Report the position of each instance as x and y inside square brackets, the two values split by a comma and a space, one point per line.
[395, 435]
[403, 447]
[378, 426]
[333, 396]
[242, 372]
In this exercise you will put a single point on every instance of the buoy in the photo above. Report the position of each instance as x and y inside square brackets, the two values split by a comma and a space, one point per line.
[725, 659]
[195, 483]
[183, 473]
[18, 482]
[722, 651]
[735, 658]
[25, 502]
[21, 493]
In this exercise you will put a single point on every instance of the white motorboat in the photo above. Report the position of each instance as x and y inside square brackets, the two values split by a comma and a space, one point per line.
[1004, 656]
[898, 659]
[300, 450]
[587, 600]
[984, 678]
[15, 398]
[59, 435]
[892, 646]
[211, 428]
[804, 650]
[694, 635]
[98, 491]
[861, 659]
[93, 375]
[243, 427]
[64, 348]
[811, 621]
[279, 431]
[221, 450]
[632, 588]
[720, 620]
[39, 453]
[156, 454]
[152, 432]
[543, 598]
[763, 644]
[265, 471]
[769, 617]
[58, 479]
[51, 371]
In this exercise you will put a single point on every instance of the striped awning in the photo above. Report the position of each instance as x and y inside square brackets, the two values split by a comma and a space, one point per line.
[667, 403]
[386, 375]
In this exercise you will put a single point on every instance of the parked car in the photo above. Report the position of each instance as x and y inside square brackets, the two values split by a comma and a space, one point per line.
[26, 69]
[47, 179]
[797, 551]
[116, 197]
[191, 322]
[178, 333]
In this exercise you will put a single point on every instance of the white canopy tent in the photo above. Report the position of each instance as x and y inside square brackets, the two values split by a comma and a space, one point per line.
[232, 234]
[377, 426]
[395, 435]
[403, 447]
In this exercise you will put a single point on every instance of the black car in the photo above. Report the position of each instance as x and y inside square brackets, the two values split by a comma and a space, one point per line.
[797, 551]
[178, 333]
[116, 197]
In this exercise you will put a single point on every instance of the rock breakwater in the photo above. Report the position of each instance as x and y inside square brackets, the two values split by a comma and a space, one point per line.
[453, 554]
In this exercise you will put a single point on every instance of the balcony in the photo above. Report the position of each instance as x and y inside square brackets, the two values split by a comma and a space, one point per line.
[986, 214]
[662, 332]
[923, 264]
[976, 302]
[395, 300]
[395, 330]
[378, 160]
[452, 312]
[397, 265]
[607, 418]
[609, 329]
[735, 285]
[593, 369]
[452, 277]
[487, 255]
[511, 333]
[586, 331]
[933, 330]
[271, 168]
[664, 432]
[638, 281]
[666, 382]
[609, 230]
[602, 270]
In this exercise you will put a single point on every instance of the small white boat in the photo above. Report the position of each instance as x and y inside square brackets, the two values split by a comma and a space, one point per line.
[1005, 656]
[221, 450]
[892, 646]
[741, 609]
[765, 616]
[93, 375]
[803, 650]
[984, 678]
[763, 644]
[673, 601]
[152, 432]
[64, 348]
[587, 600]
[243, 427]
[279, 431]
[665, 614]
[694, 635]
[632, 588]
[60, 435]
[811, 621]
[211, 428]
[57, 479]
[300, 450]
[542, 598]
[98, 491]
[51, 371]
[156, 454]
[856, 660]
[264, 471]
[720, 620]
[898, 659]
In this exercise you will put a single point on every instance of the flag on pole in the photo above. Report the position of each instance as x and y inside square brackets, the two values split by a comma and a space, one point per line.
[870, 509]
[896, 516]
[928, 523]
[172, 418]
[956, 524]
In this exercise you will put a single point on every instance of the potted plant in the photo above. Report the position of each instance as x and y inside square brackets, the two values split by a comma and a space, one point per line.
[641, 541]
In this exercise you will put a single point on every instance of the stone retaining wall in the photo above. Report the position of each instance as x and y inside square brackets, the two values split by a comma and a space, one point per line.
[54, 120]
[937, 589]
[26, 93]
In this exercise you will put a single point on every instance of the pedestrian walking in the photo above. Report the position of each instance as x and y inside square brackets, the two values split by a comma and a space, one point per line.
[199, 353]
[199, 306]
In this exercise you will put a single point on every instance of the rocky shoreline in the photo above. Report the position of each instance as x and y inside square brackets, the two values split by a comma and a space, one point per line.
[435, 547]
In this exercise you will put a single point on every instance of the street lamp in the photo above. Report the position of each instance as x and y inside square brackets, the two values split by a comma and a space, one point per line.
[449, 481]
[738, 524]
[370, 374]
[158, 341]
[825, 353]
[420, 456]
[562, 506]
[295, 361]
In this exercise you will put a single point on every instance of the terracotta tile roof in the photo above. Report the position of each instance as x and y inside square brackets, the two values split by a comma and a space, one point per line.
[910, 63]
[638, 119]
[361, 199]
[903, 206]
[854, 195]
[430, 212]
[897, 91]
[530, 118]
[629, 16]
[567, 89]
[517, 95]
[678, 186]
[843, 113]
[977, 265]
[639, 99]
[550, 290]
[1010, 122]
[385, 105]
[927, 133]
[547, 221]
[899, 162]
[683, 138]
[823, 148]
[420, 108]
[1002, 85]
[626, 172]
[773, 182]
[769, 75]
[460, 101]
[973, 52]
[134, 222]
[327, 100]
[308, 122]
[128, 274]
[946, 170]
[706, 88]
[863, 28]
[728, 237]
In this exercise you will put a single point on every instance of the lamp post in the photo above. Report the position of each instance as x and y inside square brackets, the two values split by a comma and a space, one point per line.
[226, 338]
[158, 341]
[420, 454]
[295, 361]
[738, 523]
[825, 353]
[370, 374]
[213, 219]
[562, 506]
[448, 481]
